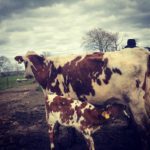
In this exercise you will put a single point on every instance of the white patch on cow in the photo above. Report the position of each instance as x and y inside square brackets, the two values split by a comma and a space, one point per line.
[53, 117]
[60, 78]
[75, 103]
[50, 98]
[52, 145]
[54, 82]
[28, 69]
[31, 53]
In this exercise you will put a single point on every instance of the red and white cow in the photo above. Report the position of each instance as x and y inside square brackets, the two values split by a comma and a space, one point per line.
[97, 77]
[83, 116]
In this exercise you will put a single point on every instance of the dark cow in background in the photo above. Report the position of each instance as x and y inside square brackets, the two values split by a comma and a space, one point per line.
[97, 77]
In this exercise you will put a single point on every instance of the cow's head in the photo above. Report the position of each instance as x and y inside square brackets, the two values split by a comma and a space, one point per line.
[32, 63]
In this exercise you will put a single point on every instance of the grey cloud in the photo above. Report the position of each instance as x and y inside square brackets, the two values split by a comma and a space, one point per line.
[3, 41]
[115, 7]
[136, 21]
[143, 5]
[10, 7]
[36, 25]
[16, 29]
[135, 13]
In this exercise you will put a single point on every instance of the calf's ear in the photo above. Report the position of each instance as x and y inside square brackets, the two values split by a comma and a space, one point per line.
[19, 59]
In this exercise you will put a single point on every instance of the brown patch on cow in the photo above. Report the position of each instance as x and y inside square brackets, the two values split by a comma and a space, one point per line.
[83, 98]
[56, 88]
[62, 105]
[39, 69]
[80, 74]
[137, 83]
[36, 60]
[19, 59]
[42, 73]
[77, 58]
[116, 70]
[78, 110]
[147, 74]
[148, 66]
[144, 86]
[96, 56]
[98, 81]
[108, 74]
[92, 117]
[51, 79]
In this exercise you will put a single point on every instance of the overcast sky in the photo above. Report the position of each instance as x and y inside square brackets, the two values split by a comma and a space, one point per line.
[58, 26]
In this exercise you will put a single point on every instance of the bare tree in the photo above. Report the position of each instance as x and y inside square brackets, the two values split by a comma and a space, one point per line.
[101, 40]
[5, 64]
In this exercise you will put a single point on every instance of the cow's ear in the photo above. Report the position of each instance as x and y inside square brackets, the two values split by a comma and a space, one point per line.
[36, 59]
[19, 59]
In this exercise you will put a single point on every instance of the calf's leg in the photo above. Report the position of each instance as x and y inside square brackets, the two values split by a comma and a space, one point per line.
[89, 139]
[51, 135]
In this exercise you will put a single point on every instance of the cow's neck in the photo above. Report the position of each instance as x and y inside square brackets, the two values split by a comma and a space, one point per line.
[41, 76]
[45, 74]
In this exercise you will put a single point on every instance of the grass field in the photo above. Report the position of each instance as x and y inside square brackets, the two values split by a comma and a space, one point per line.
[10, 81]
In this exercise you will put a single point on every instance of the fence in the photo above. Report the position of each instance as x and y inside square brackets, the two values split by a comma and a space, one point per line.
[10, 81]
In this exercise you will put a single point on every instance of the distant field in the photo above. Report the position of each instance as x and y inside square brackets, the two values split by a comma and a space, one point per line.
[10, 81]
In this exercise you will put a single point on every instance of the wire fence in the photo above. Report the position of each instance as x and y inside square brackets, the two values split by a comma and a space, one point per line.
[11, 81]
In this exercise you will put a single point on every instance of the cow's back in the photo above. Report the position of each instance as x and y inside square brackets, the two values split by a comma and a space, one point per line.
[98, 76]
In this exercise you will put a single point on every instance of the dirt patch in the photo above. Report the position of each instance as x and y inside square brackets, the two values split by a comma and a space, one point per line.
[23, 126]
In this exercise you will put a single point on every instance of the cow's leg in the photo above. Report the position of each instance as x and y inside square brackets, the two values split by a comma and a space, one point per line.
[137, 105]
[51, 135]
[138, 109]
[89, 139]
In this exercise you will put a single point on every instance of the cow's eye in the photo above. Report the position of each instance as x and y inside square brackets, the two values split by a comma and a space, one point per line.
[26, 64]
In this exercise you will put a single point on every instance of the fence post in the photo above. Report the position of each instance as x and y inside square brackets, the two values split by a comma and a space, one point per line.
[7, 81]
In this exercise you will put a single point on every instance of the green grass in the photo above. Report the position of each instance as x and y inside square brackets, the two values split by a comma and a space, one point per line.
[10, 81]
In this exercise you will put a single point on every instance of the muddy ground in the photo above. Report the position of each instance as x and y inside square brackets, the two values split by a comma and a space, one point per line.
[23, 126]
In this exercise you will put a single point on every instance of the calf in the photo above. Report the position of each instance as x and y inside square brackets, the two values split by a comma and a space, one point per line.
[97, 77]
[83, 116]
